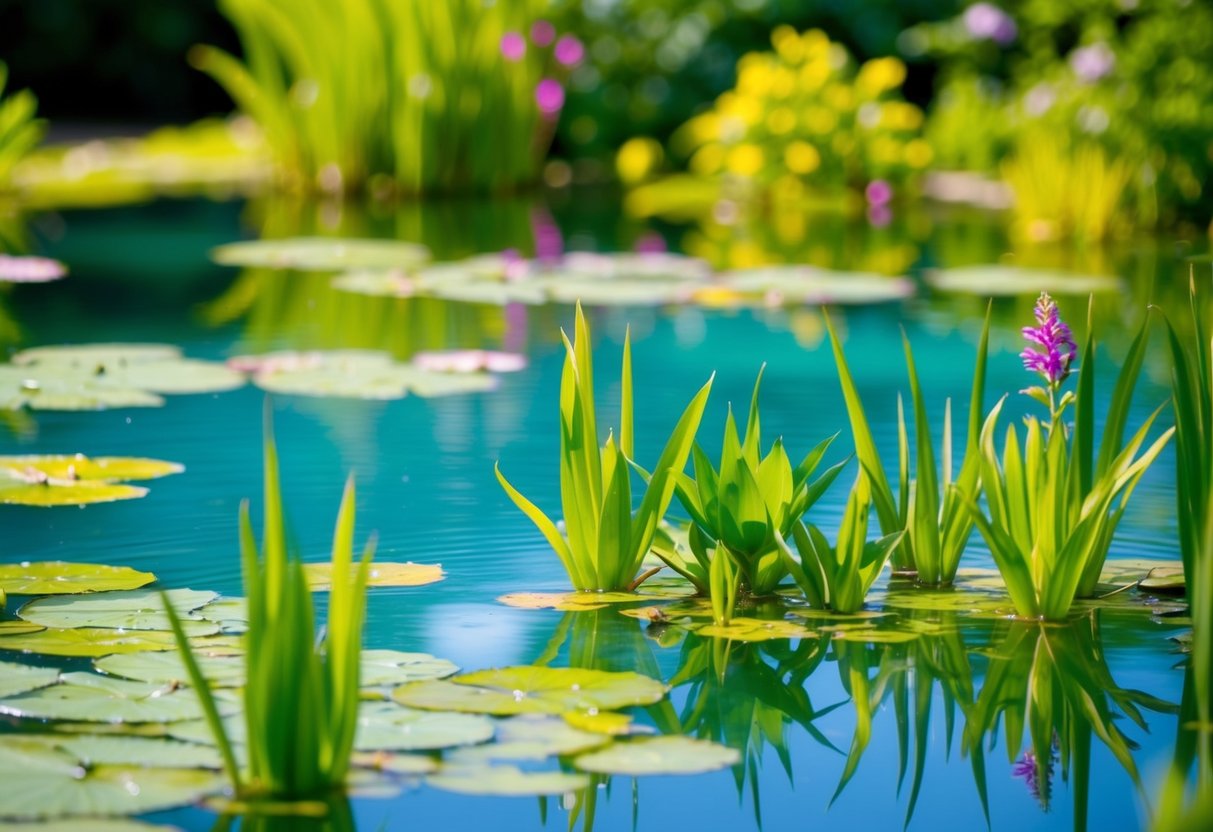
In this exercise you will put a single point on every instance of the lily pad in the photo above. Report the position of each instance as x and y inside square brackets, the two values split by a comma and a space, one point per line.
[469, 361]
[61, 578]
[384, 726]
[322, 254]
[89, 697]
[756, 629]
[94, 825]
[119, 750]
[49, 783]
[407, 764]
[81, 641]
[75, 480]
[992, 279]
[222, 671]
[382, 573]
[866, 635]
[136, 609]
[355, 374]
[505, 781]
[532, 690]
[1168, 580]
[98, 376]
[531, 737]
[659, 755]
[21, 678]
[30, 269]
[392, 667]
[781, 285]
[603, 722]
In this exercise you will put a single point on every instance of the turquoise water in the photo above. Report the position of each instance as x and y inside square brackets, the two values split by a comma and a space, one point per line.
[424, 470]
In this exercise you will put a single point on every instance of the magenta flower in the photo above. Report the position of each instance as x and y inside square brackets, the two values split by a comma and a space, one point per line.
[878, 192]
[985, 21]
[542, 33]
[30, 269]
[1090, 63]
[549, 95]
[1055, 357]
[569, 51]
[513, 46]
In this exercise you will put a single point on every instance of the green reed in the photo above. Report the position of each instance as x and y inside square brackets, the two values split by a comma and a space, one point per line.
[302, 693]
[20, 131]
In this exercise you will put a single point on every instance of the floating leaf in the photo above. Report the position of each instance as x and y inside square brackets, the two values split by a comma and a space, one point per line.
[867, 635]
[659, 755]
[395, 763]
[94, 825]
[357, 374]
[30, 269]
[532, 690]
[1165, 579]
[62, 578]
[532, 737]
[20, 678]
[136, 609]
[469, 361]
[392, 667]
[81, 641]
[384, 726]
[322, 254]
[603, 722]
[780, 285]
[756, 629]
[118, 750]
[48, 783]
[76, 479]
[89, 697]
[222, 671]
[505, 781]
[381, 573]
[990, 280]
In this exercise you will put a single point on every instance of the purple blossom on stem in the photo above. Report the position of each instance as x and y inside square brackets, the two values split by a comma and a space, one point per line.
[513, 46]
[542, 33]
[1057, 348]
[1028, 769]
[985, 21]
[549, 96]
[569, 51]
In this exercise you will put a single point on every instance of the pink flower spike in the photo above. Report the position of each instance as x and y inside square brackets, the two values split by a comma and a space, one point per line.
[513, 47]
[650, 242]
[542, 33]
[569, 51]
[549, 95]
[30, 269]
[469, 361]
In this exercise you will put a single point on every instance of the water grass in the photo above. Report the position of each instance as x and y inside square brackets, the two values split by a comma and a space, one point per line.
[604, 541]
[20, 130]
[302, 694]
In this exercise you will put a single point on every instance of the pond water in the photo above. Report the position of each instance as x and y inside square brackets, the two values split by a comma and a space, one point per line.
[424, 472]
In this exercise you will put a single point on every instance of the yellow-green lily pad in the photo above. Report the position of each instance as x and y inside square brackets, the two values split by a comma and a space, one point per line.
[1165, 579]
[385, 726]
[393, 667]
[120, 750]
[41, 782]
[603, 722]
[356, 374]
[755, 629]
[221, 671]
[89, 697]
[532, 690]
[505, 781]
[987, 280]
[21, 678]
[381, 573]
[659, 755]
[322, 254]
[81, 641]
[136, 609]
[62, 578]
[407, 764]
[530, 737]
[800, 284]
[94, 825]
[76, 479]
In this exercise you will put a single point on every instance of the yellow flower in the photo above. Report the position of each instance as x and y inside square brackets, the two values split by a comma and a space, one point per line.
[880, 74]
[815, 42]
[637, 159]
[819, 120]
[744, 160]
[788, 44]
[919, 154]
[707, 160]
[801, 157]
[781, 120]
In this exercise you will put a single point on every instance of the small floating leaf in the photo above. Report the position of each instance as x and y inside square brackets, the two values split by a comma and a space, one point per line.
[873, 636]
[532, 690]
[357, 374]
[392, 667]
[384, 726]
[659, 755]
[322, 254]
[1165, 579]
[119, 750]
[755, 629]
[395, 763]
[94, 825]
[76, 479]
[989, 280]
[89, 697]
[222, 671]
[604, 722]
[20, 678]
[505, 781]
[382, 573]
[62, 578]
[82, 641]
[779, 285]
[532, 737]
[136, 609]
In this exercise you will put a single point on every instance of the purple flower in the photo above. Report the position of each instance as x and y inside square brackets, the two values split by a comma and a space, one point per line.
[1053, 361]
[1090, 63]
[650, 242]
[985, 21]
[878, 192]
[549, 95]
[542, 33]
[569, 51]
[513, 46]
[1029, 770]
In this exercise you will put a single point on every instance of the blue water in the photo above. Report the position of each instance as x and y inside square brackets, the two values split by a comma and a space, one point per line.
[424, 472]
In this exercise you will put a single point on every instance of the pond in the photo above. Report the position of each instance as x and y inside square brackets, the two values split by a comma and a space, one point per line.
[832, 731]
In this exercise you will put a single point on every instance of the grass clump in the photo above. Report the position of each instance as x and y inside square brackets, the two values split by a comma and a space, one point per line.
[20, 131]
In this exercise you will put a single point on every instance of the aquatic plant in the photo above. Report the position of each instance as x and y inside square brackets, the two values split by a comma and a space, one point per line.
[741, 510]
[838, 577]
[1052, 505]
[398, 96]
[301, 696]
[604, 541]
[929, 508]
[20, 131]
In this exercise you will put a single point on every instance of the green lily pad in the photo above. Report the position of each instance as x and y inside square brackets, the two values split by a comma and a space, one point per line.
[222, 671]
[81, 641]
[1168, 580]
[866, 635]
[532, 690]
[322, 254]
[530, 737]
[61, 578]
[99, 376]
[382, 573]
[659, 755]
[89, 697]
[755, 629]
[356, 374]
[94, 825]
[780, 285]
[991, 279]
[119, 750]
[136, 609]
[75, 480]
[385, 726]
[231, 614]
[407, 764]
[505, 781]
[49, 783]
[392, 667]
[20, 678]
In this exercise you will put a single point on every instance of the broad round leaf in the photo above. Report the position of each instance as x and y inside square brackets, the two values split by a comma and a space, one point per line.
[533, 737]
[505, 781]
[80, 467]
[392, 667]
[532, 690]
[96, 356]
[659, 755]
[381, 573]
[357, 374]
[136, 609]
[384, 726]
[322, 254]
[82, 641]
[20, 678]
[62, 578]
[223, 671]
[89, 697]
[779, 285]
[94, 825]
[755, 629]
[119, 750]
[989, 280]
